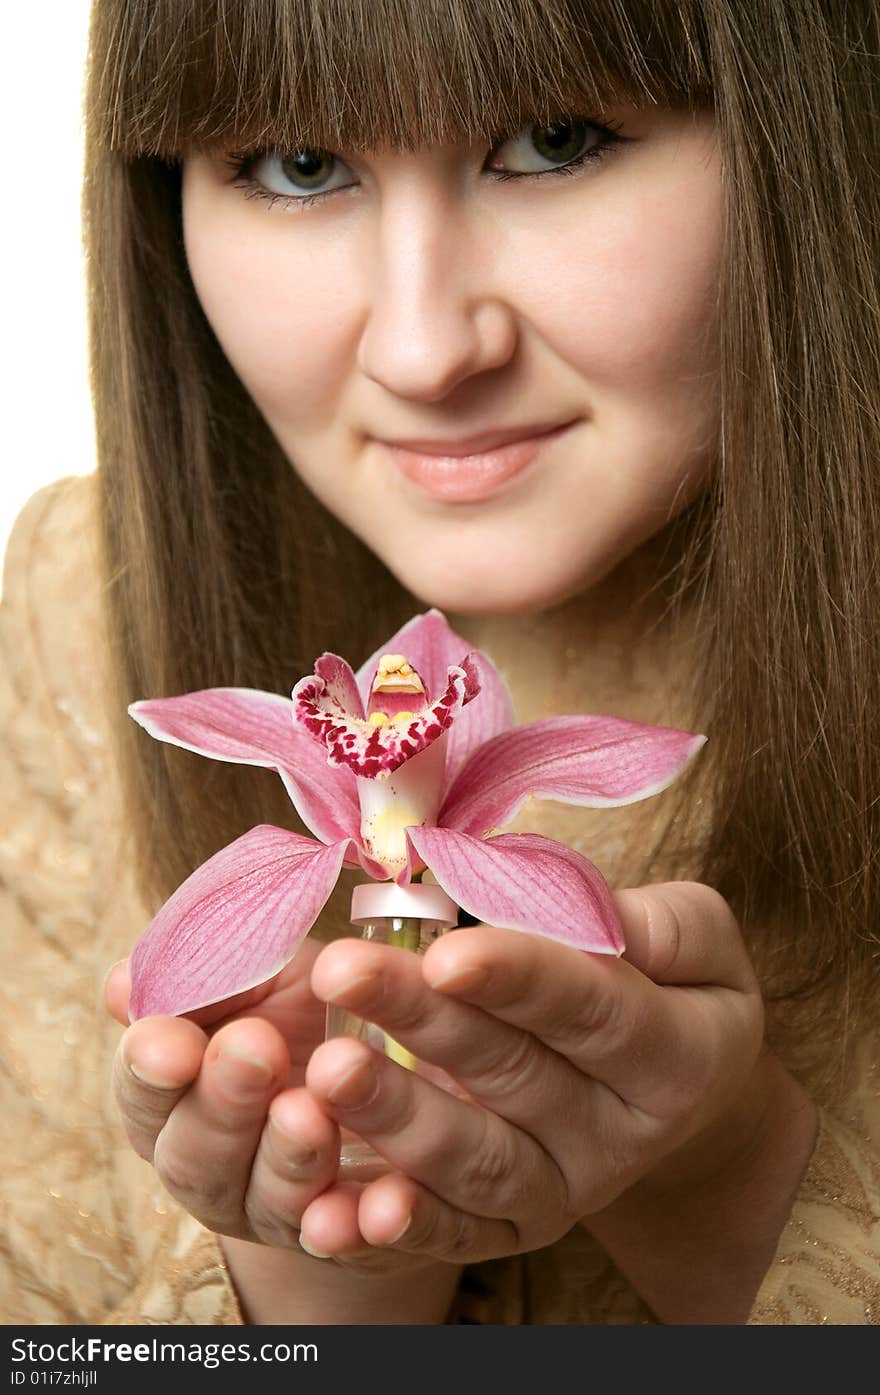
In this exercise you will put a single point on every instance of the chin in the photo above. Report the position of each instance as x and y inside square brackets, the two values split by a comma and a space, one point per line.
[466, 592]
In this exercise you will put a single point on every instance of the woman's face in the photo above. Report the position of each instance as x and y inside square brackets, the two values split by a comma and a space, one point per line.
[423, 298]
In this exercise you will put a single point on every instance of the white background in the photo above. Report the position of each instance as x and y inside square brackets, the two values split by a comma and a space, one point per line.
[47, 412]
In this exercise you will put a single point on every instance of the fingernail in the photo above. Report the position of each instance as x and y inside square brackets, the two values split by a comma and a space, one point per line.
[353, 989]
[359, 1086]
[292, 1146]
[462, 980]
[111, 970]
[400, 1234]
[241, 1076]
[316, 1254]
[156, 1082]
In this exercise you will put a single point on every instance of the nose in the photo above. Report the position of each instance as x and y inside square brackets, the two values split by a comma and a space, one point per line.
[435, 316]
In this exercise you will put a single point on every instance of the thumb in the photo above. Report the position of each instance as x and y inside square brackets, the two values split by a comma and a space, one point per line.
[683, 933]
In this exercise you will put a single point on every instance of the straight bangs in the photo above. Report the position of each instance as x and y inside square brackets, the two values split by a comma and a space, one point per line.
[177, 78]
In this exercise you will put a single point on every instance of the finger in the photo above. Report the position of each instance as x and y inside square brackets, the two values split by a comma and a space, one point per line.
[599, 1012]
[397, 1213]
[330, 1230]
[156, 1062]
[398, 1217]
[505, 1068]
[205, 1152]
[329, 1226]
[297, 1157]
[117, 990]
[463, 1153]
[683, 933]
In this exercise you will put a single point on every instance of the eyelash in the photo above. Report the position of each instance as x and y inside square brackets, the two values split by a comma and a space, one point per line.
[240, 164]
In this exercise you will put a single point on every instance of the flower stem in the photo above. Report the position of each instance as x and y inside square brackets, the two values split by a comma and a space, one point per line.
[406, 932]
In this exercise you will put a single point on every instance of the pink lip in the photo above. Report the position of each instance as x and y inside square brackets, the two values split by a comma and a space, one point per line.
[470, 470]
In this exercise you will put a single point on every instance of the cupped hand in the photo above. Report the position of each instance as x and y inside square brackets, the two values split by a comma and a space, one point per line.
[215, 1102]
[586, 1073]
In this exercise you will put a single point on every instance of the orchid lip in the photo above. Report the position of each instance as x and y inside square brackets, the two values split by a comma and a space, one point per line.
[483, 441]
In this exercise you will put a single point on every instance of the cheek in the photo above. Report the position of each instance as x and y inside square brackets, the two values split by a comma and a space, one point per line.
[281, 315]
[637, 313]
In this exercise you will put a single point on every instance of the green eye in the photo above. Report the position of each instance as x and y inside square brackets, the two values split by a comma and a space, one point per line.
[308, 168]
[556, 144]
[563, 141]
[547, 149]
[294, 176]
[306, 175]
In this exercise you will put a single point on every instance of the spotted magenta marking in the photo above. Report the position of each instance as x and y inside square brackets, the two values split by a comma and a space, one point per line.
[367, 750]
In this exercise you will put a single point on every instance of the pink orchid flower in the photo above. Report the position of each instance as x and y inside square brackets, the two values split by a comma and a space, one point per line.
[413, 762]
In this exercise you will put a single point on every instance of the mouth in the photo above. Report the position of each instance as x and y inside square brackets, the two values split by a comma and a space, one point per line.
[471, 469]
[478, 444]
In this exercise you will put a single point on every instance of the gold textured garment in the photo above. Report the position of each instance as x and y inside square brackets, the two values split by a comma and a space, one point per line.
[88, 1235]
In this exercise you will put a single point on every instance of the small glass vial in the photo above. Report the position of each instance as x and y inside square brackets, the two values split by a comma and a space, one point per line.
[411, 917]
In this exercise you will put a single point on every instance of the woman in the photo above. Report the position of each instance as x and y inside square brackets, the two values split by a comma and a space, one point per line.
[696, 549]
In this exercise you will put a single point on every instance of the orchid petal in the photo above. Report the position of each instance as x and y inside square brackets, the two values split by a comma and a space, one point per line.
[595, 761]
[433, 647]
[326, 803]
[523, 881]
[235, 922]
[374, 751]
[248, 727]
[340, 685]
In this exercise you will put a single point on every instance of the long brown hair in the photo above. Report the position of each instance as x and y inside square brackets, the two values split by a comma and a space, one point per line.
[222, 569]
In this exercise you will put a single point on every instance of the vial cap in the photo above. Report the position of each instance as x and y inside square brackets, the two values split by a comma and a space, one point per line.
[371, 900]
